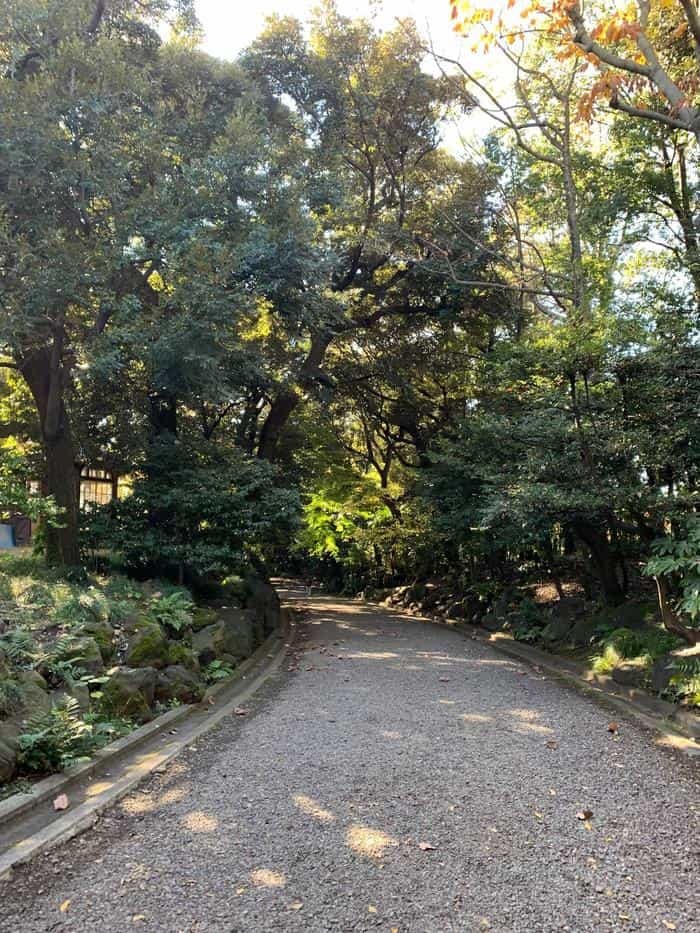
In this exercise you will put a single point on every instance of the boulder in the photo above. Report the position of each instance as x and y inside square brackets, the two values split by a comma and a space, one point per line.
[148, 646]
[84, 652]
[232, 635]
[9, 749]
[563, 620]
[129, 693]
[202, 617]
[77, 691]
[103, 634]
[264, 602]
[492, 622]
[633, 614]
[456, 610]
[662, 671]
[33, 692]
[584, 630]
[177, 683]
[630, 673]
[690, 720]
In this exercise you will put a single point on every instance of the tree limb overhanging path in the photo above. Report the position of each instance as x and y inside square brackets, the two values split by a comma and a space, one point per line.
[397, 776]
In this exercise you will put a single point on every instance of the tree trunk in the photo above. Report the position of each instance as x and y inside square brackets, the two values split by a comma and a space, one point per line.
[603, 560]
[276, 420]
[44, 374]
[289, 397]
[671, 621]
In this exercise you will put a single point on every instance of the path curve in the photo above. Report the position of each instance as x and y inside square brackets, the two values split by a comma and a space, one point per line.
[399, 777]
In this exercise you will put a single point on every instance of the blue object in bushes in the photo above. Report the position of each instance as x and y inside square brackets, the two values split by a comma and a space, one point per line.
[7, 536]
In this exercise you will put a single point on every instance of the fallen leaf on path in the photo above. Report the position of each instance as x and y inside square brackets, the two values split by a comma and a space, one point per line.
[371, 909]
[64, 906]
[138, 918]
[623, 917]
[669, 925]
[584, 814]
[295, 905]
[61, 802]
[540, 816]
[240, 891]
[612, 727]
[551, 743]
[240, 711]
[426, 847]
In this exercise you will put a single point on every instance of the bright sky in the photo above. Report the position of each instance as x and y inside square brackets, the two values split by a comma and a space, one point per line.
[229, 25]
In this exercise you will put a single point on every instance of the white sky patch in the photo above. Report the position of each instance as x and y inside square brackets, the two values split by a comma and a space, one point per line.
[231, 25]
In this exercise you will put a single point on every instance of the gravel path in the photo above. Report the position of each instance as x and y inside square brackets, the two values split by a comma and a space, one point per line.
[399, 777]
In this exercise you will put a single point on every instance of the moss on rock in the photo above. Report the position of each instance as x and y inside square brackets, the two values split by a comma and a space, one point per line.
[148, 646]
[129, 693]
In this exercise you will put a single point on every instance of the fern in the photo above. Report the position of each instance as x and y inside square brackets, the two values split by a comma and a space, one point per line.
[55, 740]
[20, 647]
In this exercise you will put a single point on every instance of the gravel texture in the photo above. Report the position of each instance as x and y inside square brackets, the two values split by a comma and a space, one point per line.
[399, 777]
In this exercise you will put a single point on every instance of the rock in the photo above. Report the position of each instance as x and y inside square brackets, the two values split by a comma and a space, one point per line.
[491, 622]
[662, 671]
[103, 634]
[633, 614]
[202, 617]
[630, 673]
[177, 683]
[9, 748]
[264, 602]
[148, 646]
[78, 692]
[584, 630]
[84, 652]
[129, 693]
[34, 695]
[689, 720]
[456, 611]
[233, 635]
[565, 616]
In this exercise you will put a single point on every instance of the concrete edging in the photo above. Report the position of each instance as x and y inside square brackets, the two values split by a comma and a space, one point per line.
[219, 702]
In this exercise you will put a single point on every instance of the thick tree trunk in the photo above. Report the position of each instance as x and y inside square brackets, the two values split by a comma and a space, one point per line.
[277, 418]
[603, 560]
[44, 374]
[289, 397]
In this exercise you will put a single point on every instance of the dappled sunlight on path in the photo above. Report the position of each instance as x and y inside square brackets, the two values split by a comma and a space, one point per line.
[399, 776]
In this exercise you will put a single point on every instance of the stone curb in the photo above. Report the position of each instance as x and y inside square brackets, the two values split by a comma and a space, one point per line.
[230, 694]
[650, 711]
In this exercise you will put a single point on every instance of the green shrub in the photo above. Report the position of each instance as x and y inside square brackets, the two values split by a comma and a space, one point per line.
[172, 610]
[527, 621]
[55, 740]
[685, 683]
[20, 647]
[624, 644]
[216, 671]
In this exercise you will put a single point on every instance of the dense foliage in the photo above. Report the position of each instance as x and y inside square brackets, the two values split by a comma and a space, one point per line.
[270, 294]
